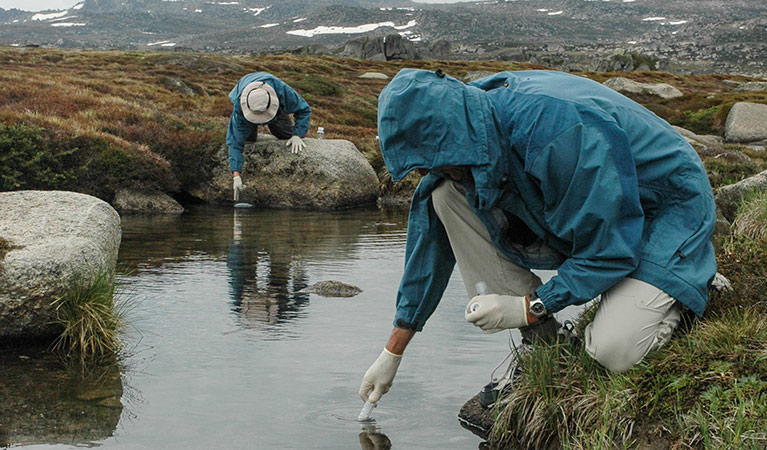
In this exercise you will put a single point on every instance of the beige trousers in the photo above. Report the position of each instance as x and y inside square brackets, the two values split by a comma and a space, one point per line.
[633, 319]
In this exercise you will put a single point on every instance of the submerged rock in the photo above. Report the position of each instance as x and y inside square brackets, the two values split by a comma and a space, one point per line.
[332, 288]
[49, 238]
[128, 201]
[477, 419]
[328, 174]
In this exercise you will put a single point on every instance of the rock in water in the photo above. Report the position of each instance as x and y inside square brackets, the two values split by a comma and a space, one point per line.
[50, 238]
[332, 289]
[129, 201]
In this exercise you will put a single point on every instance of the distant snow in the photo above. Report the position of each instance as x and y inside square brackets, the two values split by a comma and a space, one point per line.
[678, 22]
[68, 24]
[169, 44]
[198, 10]
[268, 25]
[653, 19]
[224, 3]
[78, 6]
[49, 16]
[555, 13]
[257, 11]
[350, 30]
[541, 10]
[300, 20]
[160, 43]
[629, 1]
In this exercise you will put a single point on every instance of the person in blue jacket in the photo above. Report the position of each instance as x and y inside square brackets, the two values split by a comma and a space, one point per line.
[263, 99]
[544, 170]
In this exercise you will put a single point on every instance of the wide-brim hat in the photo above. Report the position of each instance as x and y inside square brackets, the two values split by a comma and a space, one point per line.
[259, 102]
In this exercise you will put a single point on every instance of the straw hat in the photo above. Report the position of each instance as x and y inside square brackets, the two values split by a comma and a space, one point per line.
[259, 102]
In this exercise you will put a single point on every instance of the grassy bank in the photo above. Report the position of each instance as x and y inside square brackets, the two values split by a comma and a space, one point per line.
[706, 389]
[96, 121]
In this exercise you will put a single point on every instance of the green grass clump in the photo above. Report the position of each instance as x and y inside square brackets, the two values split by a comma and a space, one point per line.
[90, 319]
[705, 389]
[751, 217]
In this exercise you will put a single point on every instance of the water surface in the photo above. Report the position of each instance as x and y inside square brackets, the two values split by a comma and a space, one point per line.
[228, 353]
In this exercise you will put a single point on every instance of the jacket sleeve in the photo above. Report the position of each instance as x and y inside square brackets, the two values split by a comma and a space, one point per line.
[296, 105]
[591, 198]
[239, 130]
[429, 261]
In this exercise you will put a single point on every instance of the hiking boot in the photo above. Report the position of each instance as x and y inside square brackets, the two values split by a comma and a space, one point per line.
[504, 383]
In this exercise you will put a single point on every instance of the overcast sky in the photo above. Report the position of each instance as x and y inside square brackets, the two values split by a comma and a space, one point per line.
[40, 5]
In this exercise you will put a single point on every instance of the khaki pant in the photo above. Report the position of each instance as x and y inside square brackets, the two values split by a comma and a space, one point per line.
[633, 319]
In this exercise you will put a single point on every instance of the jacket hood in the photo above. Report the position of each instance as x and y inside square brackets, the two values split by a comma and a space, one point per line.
[428, 120]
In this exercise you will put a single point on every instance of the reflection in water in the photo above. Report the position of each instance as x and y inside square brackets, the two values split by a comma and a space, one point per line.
[264, 276]
[43, 401]
[372, 439]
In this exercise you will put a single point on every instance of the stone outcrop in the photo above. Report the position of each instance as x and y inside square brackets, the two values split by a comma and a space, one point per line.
[746, 122]
[707, 142]
[382, 48]
[662, 90]
[375, 76]
[728, 198]
[752, 86]
[328, 174]
[51, 238]
[129, 201]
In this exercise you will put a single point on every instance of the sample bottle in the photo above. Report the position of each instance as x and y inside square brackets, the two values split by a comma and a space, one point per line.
[365, 413]
[481, 288]
[320, 132]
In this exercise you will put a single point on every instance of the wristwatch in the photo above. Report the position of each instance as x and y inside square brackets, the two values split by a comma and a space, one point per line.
[537, 308]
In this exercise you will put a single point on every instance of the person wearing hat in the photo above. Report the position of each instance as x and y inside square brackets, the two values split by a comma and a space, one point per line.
[263, 99]
[544, 170]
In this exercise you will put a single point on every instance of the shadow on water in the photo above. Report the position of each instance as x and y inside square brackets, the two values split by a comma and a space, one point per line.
[43, 401]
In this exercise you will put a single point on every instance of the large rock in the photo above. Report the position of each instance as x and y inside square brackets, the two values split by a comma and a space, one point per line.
[662, 90]
[746, 122]
[381, 48]
[128, 201]
[50, 238]
[328, 174]
[706, 140]
[752, 86]
[728, 198]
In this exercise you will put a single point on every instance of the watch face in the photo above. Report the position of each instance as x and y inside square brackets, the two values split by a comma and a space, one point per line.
[538, 308]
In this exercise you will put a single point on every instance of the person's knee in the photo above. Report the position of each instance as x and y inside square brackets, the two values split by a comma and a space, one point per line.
[615, 354]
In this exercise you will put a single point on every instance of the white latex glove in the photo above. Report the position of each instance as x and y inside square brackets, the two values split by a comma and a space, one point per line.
[495, 312]
[379, 376]
[237, 186]
[296, 144]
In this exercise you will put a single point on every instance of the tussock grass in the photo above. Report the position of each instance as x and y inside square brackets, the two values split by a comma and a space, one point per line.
[751, 217]
[707, 388]
[92, 321]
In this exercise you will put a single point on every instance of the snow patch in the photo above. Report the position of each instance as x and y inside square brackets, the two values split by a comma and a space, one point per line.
[555, 13]
[158, 43]
[49, 16]
[257, 11]
[68, 24]
[653, 19]
[268, 25]
[78, 6]
[350, 30]
[300, 20]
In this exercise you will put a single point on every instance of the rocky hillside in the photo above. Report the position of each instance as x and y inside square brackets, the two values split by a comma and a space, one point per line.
[673, 35]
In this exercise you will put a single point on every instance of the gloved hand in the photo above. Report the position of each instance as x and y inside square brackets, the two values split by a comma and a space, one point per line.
[497, 312]
[380, 376]
[237, 187]
[296, 144]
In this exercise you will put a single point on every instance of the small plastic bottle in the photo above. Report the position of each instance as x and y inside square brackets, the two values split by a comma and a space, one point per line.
[365, 413]
[320, 132]
[481, 288]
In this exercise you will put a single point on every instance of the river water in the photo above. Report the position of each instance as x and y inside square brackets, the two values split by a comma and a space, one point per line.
[225, 352]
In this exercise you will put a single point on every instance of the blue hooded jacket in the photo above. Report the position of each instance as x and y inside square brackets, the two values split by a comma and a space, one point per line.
[240, 128]
[610, 188]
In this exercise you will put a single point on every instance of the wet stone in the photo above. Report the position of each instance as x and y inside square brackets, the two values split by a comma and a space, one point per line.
[332, 289]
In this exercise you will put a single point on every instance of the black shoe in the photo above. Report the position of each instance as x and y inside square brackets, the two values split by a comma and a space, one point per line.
[505, 383]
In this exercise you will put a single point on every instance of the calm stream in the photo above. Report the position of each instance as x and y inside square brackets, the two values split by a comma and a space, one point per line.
[226, 353]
